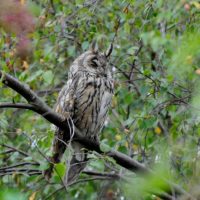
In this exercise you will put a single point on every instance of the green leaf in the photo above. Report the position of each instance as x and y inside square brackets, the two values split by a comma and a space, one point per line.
[48, 77]
[11, 194]
[85, 45]
[71, 50]
[60, 169]
[104, 147]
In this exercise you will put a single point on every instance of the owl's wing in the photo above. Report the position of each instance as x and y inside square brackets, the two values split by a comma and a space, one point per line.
[65, 103]
[64, 107]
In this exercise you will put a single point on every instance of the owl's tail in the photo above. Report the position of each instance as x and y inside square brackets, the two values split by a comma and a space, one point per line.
[77, 163]
[59, 146]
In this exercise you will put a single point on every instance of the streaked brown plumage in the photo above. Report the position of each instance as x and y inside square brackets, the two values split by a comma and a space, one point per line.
[86, 98]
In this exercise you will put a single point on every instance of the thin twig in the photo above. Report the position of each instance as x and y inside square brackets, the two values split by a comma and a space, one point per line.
[48, 160]
[17, 105]
[7, 152]
[77, 182]
[15, 149]
[20, 170]
[103, 174]
[18, 165]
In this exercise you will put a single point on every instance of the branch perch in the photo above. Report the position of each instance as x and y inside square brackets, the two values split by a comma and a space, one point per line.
[37, 105]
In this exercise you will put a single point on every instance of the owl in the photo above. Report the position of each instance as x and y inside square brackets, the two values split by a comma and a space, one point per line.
[85, 99]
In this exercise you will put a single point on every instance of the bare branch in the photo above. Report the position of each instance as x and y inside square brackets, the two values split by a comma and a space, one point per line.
[15, 149]
[17, 105]
[76, 182]
[19, 170]
[7, 152]
[104, 174]
[18, 165]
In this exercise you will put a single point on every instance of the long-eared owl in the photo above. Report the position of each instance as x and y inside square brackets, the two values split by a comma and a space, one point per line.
[85, 98]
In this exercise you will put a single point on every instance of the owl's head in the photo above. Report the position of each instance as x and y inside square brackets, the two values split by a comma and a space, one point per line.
[95, 61]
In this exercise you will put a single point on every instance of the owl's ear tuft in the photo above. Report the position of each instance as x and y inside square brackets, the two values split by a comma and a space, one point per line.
[94, 46]
[109, 50]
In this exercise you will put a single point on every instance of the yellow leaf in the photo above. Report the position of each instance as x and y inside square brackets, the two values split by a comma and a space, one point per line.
[114, 102]
[125, 10]
[197, 71]
[25, 65]
[135, 147]
[18, 131]
[14, 175]
[32, 197]
[189, 59]
[196, 4]
[157, 130]
[12, 53]
[41, 60]
[127, 131]
[118, 137]
[147, 116]
[126, 144]
[22, 2]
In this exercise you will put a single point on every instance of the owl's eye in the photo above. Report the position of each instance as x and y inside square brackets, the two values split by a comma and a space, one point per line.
[94, 62]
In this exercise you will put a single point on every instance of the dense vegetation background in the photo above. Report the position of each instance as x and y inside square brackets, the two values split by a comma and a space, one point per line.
[155, 114]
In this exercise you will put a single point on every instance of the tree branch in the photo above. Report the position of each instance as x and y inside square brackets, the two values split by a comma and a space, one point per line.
[38, 106]
[77, 182]
[15, 149]
[103, 174]
[17, 105]
[27, 170]
[18, 165]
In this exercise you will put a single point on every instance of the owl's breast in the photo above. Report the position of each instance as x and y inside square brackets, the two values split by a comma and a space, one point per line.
[92, 101]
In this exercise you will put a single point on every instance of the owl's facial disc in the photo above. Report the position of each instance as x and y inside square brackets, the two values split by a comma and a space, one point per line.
[98, 62]
[94, 62]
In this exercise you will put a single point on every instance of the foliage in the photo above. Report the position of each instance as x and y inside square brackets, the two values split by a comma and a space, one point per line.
[155, 110]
